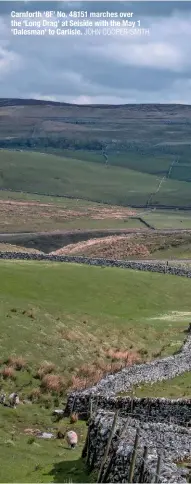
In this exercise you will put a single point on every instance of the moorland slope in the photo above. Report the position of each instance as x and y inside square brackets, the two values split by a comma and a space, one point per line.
[129, 154]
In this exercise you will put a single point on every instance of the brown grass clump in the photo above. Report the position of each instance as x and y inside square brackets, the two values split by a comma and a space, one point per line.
[103, 366]
[70, 335]
[35, 395]
[45, 368]
[73, 417]
[17, 362]
[87, 370]
[129, 357]
[53, 383]
[8, 372]
[90, 374]
[78, 383]
[85, 376]
[98, 375]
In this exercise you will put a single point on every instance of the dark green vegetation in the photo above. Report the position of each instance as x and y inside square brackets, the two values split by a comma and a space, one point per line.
[114, 154]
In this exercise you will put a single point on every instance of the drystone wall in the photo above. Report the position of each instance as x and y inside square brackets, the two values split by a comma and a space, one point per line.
[172, 441]
[100, 262]
[122, 381]
[144, 409]
[155, 371]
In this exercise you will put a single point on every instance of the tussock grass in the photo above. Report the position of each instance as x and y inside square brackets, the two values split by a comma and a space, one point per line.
[73, 418]
[45, 368]
[8, 372]
[17, 362]
[80, 322]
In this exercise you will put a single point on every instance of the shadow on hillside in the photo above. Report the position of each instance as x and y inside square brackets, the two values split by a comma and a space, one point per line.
[69, 471]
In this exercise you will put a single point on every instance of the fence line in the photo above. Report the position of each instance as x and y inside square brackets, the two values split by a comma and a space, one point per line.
[103, 475]
[112, 431]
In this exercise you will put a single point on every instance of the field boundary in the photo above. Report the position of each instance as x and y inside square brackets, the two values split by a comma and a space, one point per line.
[100, 262]
[157, 409]
[128, 450]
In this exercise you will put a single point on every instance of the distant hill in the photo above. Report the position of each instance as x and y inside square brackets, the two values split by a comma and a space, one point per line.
[28, 102]
[148, 128]
[149, 139]
[36, 102]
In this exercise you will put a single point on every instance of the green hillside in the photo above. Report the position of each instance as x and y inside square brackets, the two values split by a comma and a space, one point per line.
[72, 315]
[146, 138]
[56, 175]
[62, 312]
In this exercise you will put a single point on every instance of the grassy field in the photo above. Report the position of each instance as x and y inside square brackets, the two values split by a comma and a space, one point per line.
[62, 326]
[87, 310]
[182, 251]
[28, 459]
[20, 212]
[28, 212]
[35, 172]
[144, 163]
[49, 174]
[168, 219]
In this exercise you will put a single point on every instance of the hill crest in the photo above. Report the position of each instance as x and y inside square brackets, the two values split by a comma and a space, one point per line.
[5, 102]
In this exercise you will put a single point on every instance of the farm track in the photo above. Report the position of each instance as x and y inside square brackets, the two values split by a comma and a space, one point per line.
[93, 232]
